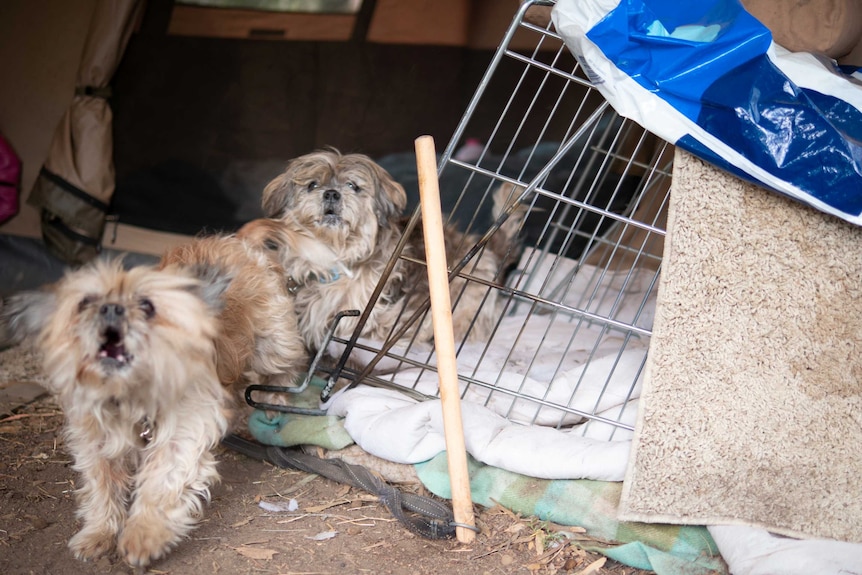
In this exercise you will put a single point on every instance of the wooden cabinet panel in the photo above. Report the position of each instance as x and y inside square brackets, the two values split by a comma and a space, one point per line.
[433, 22]
[254, 24]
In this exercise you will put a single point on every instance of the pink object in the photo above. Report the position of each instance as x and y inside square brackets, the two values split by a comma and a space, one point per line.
[10, 180]
[470, 151]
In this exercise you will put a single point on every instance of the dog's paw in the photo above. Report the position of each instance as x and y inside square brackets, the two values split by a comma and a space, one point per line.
[91, 543]
[142, 542]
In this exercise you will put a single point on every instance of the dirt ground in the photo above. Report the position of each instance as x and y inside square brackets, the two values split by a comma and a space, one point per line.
[335, 529]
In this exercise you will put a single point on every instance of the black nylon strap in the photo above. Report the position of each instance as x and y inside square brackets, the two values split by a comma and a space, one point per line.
[432, 519]
[61, 227]
[73, 190]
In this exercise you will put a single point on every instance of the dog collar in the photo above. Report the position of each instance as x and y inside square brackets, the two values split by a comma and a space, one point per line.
[294, 286]
[334, 275]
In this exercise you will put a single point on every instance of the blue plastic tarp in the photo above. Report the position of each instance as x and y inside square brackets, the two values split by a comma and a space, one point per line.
[707, 77]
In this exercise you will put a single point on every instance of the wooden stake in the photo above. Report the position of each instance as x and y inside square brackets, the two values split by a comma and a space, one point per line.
[444, 338]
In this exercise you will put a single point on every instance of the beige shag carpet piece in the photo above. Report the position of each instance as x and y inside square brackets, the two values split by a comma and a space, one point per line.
[751, 411]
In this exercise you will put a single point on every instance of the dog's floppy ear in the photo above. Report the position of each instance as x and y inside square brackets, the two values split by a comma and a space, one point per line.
[24, 315]
[214, 281]
[276, 194]
[391, 199]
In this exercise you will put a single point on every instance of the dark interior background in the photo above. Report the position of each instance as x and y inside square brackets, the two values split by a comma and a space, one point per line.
[202, 124]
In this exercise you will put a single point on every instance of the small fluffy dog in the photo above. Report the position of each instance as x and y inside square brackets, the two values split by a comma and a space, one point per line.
[130, 355]
[353, 206]
[259, 341]
[149, 365]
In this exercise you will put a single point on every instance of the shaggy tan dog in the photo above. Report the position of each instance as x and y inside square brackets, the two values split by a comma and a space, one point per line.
[130, 355]
[150, 365]
[353, 206]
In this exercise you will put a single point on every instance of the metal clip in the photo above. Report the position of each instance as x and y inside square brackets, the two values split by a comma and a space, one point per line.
[292, 285]
[146, 433]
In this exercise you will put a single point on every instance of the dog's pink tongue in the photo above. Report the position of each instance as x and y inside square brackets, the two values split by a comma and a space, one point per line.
[113, 351]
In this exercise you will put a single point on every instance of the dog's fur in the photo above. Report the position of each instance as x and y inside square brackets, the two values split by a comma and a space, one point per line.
[150, 365]
[130, 355]
[353, 206]
[292, 249]
[259, 341]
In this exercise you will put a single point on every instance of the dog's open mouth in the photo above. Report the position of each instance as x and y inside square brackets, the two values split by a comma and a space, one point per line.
[112, 350]
[330, 217]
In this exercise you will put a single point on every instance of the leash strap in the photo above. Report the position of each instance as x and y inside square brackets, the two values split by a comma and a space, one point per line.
[421, 515]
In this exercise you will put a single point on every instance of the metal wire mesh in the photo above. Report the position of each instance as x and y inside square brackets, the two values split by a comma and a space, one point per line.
[576, 308]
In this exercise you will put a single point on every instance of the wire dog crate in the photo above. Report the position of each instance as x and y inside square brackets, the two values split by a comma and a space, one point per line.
[570, 344]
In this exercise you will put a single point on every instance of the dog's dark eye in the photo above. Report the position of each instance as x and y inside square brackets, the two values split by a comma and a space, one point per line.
[313, 185]
[147, 307]
[270, 245]
[86, 302]
[354, 186]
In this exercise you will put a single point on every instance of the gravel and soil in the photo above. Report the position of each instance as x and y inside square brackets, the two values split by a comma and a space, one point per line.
[335, 529]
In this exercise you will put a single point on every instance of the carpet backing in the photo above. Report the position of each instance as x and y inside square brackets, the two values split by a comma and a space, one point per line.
[751, 411]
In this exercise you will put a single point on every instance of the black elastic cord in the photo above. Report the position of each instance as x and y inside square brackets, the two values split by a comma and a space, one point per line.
[61, 227]
[73, 190]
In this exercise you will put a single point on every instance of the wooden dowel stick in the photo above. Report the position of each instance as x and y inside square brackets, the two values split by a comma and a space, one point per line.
[444, 338]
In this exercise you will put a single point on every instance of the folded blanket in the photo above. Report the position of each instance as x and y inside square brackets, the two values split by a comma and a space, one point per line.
[665, 549]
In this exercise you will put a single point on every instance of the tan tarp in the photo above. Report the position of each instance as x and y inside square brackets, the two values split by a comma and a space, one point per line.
[74, 189]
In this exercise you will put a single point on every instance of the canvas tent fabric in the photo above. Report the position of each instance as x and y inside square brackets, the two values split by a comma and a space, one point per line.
[74, 187]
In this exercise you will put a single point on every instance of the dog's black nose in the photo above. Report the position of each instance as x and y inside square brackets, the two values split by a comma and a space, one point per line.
[331, 196]
[111, 311]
